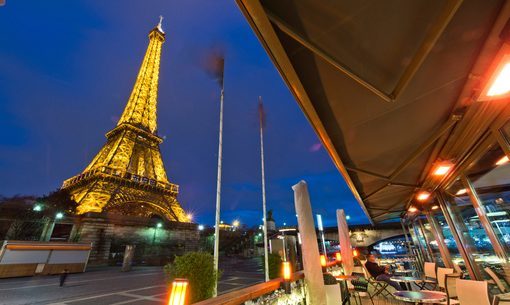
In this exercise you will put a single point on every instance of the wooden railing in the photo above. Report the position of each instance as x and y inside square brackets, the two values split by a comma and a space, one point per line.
[240, 296]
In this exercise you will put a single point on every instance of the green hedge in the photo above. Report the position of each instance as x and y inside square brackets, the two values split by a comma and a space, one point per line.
[275, 265]
[198, 268]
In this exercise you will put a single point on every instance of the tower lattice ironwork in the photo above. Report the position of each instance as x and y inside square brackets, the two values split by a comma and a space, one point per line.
[127, 175]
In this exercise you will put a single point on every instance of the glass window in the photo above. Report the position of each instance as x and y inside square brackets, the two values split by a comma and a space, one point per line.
[429, 239]
[490, 177]
[449, 240]
[470, 229]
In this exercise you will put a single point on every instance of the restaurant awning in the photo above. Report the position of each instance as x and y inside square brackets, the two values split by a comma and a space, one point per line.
[384, 83]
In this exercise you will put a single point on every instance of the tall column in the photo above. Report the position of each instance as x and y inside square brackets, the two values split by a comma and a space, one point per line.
[345, 242]
[310, 248]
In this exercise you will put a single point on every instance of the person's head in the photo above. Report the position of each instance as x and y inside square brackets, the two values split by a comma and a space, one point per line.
[371, 257]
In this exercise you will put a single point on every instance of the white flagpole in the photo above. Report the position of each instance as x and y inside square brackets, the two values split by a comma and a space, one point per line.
[218, 194]
[266, 262]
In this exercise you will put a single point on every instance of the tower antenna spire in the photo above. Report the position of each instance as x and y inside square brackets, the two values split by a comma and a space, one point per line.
[160, 28]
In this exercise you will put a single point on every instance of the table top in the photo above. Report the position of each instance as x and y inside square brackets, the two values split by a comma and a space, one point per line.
[420, 296]
[404, 279]
[403, 271]
[346, 277]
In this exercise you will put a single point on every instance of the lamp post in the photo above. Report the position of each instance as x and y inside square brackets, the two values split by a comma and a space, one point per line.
[287, 274]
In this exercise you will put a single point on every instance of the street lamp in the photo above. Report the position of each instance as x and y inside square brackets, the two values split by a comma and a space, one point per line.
[200, 227]
[59, 215]
[37, 207]
[159, 225]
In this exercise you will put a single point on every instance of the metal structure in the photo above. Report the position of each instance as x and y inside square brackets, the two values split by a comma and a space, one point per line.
[128, 175]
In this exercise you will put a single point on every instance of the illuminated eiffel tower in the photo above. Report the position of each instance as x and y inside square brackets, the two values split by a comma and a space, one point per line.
[127, 176]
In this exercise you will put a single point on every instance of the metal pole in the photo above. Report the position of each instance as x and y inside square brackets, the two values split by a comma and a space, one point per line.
[266, 262]
[218, 194]
[321, 232]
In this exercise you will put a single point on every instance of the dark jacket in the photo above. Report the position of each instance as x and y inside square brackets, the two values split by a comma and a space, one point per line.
[374, 269]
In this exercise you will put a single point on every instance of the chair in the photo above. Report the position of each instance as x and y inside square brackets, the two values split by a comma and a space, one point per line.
[361, 286]
[450, 283]
[441, 277]
[430, 277]
[496, 279]
[380, 287]
[472, 292]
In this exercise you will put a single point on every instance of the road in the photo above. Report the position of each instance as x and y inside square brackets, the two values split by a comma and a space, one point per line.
[110, 286]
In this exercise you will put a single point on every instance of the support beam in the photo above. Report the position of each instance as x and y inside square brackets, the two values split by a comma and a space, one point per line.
[309, 246]
[287, 29]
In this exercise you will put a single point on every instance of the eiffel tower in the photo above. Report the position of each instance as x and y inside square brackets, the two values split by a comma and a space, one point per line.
[127, 176]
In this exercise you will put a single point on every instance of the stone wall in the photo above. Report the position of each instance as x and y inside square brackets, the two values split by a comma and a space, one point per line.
[109, 234]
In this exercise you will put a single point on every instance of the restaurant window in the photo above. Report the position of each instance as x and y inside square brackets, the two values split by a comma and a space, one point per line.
[429, 239]
[505, 131]
[473, 236]
[490, 177]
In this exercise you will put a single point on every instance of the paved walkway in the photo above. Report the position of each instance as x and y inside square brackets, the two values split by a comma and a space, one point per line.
[110, 286]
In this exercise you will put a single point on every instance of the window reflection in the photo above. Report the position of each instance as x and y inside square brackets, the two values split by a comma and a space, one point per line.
[470, 229]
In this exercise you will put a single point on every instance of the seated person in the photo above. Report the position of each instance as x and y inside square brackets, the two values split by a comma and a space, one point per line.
[381, 273]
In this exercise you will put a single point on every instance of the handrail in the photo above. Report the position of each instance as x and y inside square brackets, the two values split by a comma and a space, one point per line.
[242, 295]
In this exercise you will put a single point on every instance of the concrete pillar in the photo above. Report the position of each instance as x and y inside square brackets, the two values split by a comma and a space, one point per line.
[310, 248]
[345, 242]
[128, 257]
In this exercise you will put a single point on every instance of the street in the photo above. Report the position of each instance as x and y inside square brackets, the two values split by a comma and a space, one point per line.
[110, 286]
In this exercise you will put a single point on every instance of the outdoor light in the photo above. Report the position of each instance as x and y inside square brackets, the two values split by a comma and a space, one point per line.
[412, 209]
[324, 262]
[338, 257]
[461, 192]
[498, 85]
[355, 253]
[59, 215]
[178, 292]
[435, 207]
[201, 227]
[347, 217]
[502, 161]
[37, 208]
[442, 168]
[159, 225]
[422, 196]
[287, 274]
[235, 223]
[189, 216]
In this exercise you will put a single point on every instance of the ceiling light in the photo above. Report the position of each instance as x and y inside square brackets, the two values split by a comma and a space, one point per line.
[498, 85]
[442, 168]
[461, 192]
[422, 196]
[502, 161]
[412, 209]
[435, 207]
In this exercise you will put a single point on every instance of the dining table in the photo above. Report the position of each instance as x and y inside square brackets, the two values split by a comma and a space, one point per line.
[408, 280]
[420, 297]
[343, 279]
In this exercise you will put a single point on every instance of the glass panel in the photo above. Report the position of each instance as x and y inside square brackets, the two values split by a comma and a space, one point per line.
[490, 177]
[470, 229]
[428, 237]
[505, 130]
[449, 241]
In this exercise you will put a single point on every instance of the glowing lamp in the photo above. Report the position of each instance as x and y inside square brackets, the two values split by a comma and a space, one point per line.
[355, 253]
[324, 262]
[287, 273]
[435, 207]
[502, 161]
[59, 215]
[412, 209]
[159, 225]
[178, 292]
[338, 257]
[498, 85]
[190, 217]
[37, 208]
[442, 168]
[461, 192]
[422, 196]
[286, 270]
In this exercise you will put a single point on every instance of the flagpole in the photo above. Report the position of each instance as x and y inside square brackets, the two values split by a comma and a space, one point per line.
[266, 262]
[218, 192]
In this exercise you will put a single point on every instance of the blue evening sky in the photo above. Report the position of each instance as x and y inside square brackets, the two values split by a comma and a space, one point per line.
[67, 69]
